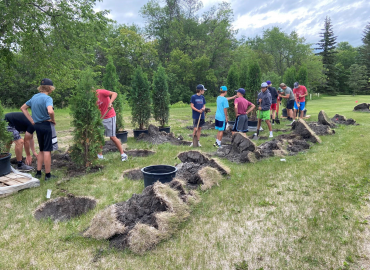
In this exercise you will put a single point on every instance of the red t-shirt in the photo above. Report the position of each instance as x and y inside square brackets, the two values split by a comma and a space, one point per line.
[103, 103]
[243, 105]
[301, 90]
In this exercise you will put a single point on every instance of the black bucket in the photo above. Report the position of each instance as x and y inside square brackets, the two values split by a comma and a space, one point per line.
[138, 132]
[252, 125]
[122, 135]
[5, 164]
[165, 129]
[161, 173]
[285, 113]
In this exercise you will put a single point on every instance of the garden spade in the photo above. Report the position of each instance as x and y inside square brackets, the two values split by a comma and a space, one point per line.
[195, 137]
[105, 113]
[255, 135]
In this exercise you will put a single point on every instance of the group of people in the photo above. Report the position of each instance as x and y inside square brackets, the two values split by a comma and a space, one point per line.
[43, 122]
[268, 102]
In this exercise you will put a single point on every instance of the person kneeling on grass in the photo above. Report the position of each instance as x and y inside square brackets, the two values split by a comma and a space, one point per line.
[241, 111]
[264, 104]
[221, 114]
[198, 105]
[105, 100]
[44, 122]
[18, 122]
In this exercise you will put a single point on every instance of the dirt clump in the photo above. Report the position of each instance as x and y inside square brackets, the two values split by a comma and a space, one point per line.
[300, 127]
[342, 120]
[240, 150]
[363, 107]
[155, 136]
[321, 129]
[64, 208]
[145, 219]
[133, 174]
[324, 119]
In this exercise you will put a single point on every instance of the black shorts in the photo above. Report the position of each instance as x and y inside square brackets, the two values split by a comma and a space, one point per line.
[241, 123]
[195, 122]
[290, 104]
[46, 136]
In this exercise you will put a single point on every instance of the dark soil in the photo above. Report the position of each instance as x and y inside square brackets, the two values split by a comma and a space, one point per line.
[363, 107]
[240, 150]
[301, 128]
[342, 120]
[64, 208]
[155, 136]
[207, 125]
[139, 153]
[133, 174]
[109, 147]
[320, 129]
[201, 135]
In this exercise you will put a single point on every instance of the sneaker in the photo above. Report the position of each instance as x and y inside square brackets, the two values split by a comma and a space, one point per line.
[273, 123]
[215, 144]
[199, 144]
[52, 177]
[38, 176]
[261, 129]
[191, 145]
[124, 157]
[271, 136]
[101, 157]
[24, 168]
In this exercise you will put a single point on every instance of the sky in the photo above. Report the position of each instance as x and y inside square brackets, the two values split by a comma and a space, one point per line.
[251, 17]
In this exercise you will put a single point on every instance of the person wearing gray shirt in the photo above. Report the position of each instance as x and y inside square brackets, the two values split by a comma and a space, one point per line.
[288, 94]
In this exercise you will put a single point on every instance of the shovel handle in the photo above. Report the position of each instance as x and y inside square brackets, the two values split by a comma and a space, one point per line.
[105, 113]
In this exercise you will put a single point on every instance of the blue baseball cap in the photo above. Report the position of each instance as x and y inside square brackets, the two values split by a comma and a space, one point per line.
[268, 82]
[223, 88]
[46, 82]
[296, 84]
[241, 91]
[200, 87]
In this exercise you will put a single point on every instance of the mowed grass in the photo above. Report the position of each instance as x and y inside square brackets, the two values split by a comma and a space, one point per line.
[310, 212]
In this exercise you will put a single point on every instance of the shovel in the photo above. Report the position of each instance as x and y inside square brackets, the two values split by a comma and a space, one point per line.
[195, 137]
[105, 113]
[255, 136]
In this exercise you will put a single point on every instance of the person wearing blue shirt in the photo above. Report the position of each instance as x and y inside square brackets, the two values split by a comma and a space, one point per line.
[221, 114]
[198, 105]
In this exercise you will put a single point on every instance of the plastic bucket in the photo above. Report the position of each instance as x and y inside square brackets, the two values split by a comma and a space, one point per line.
[138, 132]
[161, 173]
[122, 136]
[165, 129]
[5, 164]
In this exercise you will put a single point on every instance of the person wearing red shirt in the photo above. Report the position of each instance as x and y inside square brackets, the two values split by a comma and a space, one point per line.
[300, 92]
[105, 103]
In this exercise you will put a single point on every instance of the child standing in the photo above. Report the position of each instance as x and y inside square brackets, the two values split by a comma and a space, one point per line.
[241, 111]
[198, 105]
[264, 105]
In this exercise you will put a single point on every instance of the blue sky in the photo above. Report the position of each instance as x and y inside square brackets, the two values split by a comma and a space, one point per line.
[349, 18]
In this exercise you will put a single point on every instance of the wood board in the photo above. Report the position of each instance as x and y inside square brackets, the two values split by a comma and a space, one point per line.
[15, 181]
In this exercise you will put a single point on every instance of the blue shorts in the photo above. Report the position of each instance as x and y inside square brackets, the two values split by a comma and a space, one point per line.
[220, 125]
[301, 105]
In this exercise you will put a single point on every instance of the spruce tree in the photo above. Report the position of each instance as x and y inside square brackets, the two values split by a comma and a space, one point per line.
[140, 100]
[365, 52]
[88, 132]
[290, 77]
[5, 135]
[232, 85]
[110, 82]
[357, 79]
[327, 47]
[161, 97]
[254, 82]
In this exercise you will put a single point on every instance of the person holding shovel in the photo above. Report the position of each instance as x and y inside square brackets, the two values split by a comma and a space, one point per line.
[105, 103]
[288, 94]
[264, 105]
[198, 106]
[43, 121]
[242, 107]
[300, 92]
[221, 114]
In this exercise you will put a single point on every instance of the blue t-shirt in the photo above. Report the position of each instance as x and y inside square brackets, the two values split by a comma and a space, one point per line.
[222, 104]
[199, 102]
[39, 104]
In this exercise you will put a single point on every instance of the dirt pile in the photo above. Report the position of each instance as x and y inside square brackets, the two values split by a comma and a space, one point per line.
[324, 119]
[320, 129]
[301, 128]
[207, 125]
[198, 170]
[133, 174]
[363, 107]
[341, 119]
[145, 219]
[240, 150]
[64, 208]
[155, 136]
[111, 147]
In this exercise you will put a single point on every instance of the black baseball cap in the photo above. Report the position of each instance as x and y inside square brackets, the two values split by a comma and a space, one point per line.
[46, 82]
[200, 87]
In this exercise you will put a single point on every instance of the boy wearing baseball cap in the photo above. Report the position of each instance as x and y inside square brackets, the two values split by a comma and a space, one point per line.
[241, 106]
[300, 92]
[198, 105]
[221, 114]
[43, 120]
[264, 104]
[274, 96]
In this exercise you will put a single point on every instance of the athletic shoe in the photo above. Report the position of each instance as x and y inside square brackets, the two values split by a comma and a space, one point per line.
[261, 129]
[38, 176]
[271, 136]
[292, 123]
[199, 144]
[124, 157]
[215, 144]
[24, 168]
[191, 145]
[273, 123]
[52, 177]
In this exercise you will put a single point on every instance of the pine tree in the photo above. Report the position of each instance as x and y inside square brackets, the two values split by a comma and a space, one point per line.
[5, 135]
[254, 82]
[358, 78]
[365, 52]
[290, 77]
[110, 82]
[140, 100]
[327, 49]
[161, 97]
[243, 76]
[232, 85]
[88, 132]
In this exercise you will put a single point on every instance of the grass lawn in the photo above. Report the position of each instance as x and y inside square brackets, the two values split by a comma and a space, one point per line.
[310, 212]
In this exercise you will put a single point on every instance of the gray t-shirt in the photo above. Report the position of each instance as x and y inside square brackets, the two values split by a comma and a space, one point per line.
[289, 91]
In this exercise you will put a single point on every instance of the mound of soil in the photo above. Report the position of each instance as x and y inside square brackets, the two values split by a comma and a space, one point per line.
[363, 107]
[341, 119]
[145, 219]
[320, 129]
[109, 147]
[301, 128]
[155, 136]
[64, 208]
[133, 174]
[207, 125]
[139, 153]
[324, 119]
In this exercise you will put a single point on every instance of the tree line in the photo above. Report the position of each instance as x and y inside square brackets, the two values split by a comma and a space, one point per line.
[60, 39]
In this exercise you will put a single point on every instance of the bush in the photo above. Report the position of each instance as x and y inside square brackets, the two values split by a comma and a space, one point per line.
[290, 77]
[5, 135]
[88, 133]
[140, 100]
[161, 97]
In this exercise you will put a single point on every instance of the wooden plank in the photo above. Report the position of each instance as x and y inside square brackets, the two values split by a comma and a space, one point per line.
[23, 179]
[3, 178]
[11, 182]
[12, 175]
